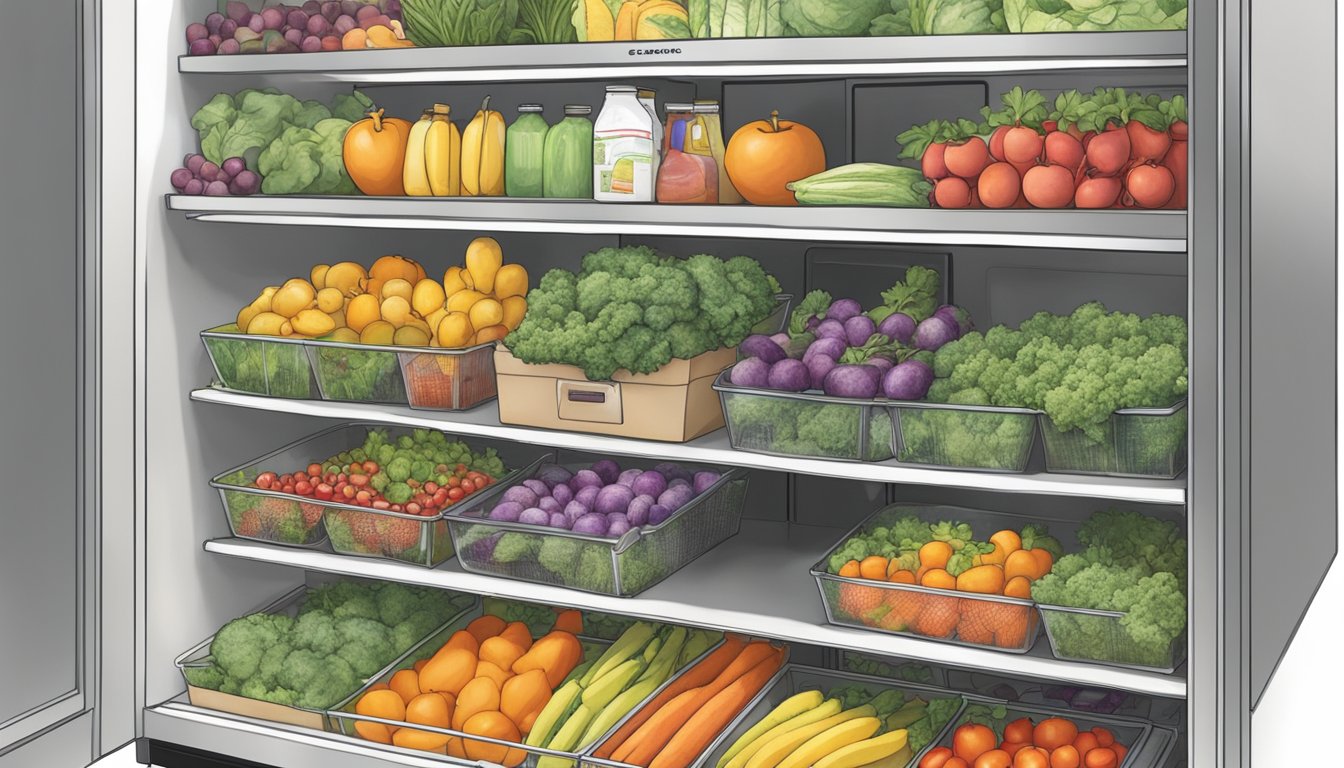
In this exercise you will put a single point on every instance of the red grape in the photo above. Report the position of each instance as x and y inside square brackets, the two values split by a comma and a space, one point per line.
[311, 44]
[213, 22]
[229, 47]
[197, 31]
[180, 178]
[202, 47]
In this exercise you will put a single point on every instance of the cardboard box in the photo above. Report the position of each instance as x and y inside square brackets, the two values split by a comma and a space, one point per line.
[259, 710]
[676, 403]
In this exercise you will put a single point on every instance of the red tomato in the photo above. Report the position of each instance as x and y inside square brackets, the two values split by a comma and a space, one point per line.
[936, 758]
[1101, 757]
[342, 478]
[370, 467]
[468, 486]
[359, 480]
[314, 469]
[1020, 731]
[412, 508]
[994, 758]
[363, 497]
[303, 488]
[323, 491]
[348, 491]
[485, 480]
[972, 740]
[1055, 732]
[1065, 757]
[454, 481]
[396, 507]
[381, 504]
[266, 479]
[1104, 737]
[440, 497]
[431, 487]
[1031, 757]
[287, 488]
[1086, 742]
[456, 494]
[329, 478]
[364, 502]
[461, 469]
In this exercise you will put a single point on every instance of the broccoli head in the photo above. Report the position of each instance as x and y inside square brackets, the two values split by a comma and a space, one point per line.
[367, 645]
[517, 547]
[560, 556]
[317, 682]
[240, 644]
[316, 631]
[211, 677]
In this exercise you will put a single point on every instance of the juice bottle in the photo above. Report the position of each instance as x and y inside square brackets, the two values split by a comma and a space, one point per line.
[524, 153]
[711, 127]
[567, 171]
[623, 148]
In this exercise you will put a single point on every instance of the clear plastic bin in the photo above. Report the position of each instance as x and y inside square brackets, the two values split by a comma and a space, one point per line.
[963, 618]
[1139, 442]
[261, 365]
[1083, 634]
[352, 530]
[983, 438]
[622, 567]
[198, 657]
[804, 424]
[449, 379]
[893, 669]
[1148, 746]
[793, 679]
[480, 750]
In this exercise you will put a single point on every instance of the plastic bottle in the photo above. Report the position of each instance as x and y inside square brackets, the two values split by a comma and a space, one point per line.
[524, 153]
[649, 98]
[567, 171]
[708, 121]
[623, 149]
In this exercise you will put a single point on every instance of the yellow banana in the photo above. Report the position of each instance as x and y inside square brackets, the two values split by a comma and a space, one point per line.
[830, 740]
[782, 746]
[861, 753]
[483, 153]
[800, 710]
[443, 154]
[413, 175]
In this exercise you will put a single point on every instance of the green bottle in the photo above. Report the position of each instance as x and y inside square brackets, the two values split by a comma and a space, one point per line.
[568, 170]
[524, 152]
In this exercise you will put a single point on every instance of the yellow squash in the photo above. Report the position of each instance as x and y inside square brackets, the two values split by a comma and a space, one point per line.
[443, 154]
[483, 154]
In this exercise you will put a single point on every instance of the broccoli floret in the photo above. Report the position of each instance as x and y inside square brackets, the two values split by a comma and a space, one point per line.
[515, 547]
[399, 469]
[272, 661]
[421, 470]
[398, 493]
[210, 677]
[1137, 539]
[317, 632]
[379, 481]
[832, 430]
[413, 629]
[317, 682]
[240, 644]
[367, 645]
[363, 606]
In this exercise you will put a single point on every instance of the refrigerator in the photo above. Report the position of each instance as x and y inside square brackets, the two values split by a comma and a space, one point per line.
[111, 391]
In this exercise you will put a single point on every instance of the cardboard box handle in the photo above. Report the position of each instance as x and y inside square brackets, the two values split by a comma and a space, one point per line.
[598, 402]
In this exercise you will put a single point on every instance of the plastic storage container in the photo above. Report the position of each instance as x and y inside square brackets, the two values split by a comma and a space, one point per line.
[1139, 442]
[198, 657]
[1086, 634]
[422, 377]
[622, 567]
[804, 424]
[344, 719]
[1149, 745]
[963, 618]
[262, 365]
[792, 679]
[983, 438]
[525, 152]
[567, 171]
[352, 530]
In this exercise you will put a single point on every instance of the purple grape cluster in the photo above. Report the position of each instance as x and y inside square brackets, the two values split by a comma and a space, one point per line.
[309, 28]
[199, 176]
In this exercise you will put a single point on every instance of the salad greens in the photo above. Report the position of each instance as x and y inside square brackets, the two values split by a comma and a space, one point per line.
[829, 18]
[256, 365]
[461, 22]
[940, 17]
[360, 376]
[1093, 15]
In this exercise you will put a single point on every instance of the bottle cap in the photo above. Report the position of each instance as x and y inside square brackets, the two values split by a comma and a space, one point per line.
[577, 110]
[529, 108]
[621, 89]
[672, 107]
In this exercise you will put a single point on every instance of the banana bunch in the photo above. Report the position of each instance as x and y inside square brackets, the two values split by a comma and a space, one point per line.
[587, 706]
[394, 302]
[810, 730]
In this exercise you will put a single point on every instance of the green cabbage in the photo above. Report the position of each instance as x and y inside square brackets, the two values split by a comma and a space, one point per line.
[941, 17]
[829, 18]
[1093, 15]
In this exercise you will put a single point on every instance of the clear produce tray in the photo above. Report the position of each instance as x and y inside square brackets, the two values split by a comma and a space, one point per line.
[888, 668]
[351, 529]
[198, 656]
[1084, 634]
[1149, 745]
[962, 618]
[804, 423]
[510, 754]
[260, 365]
[983, 438]
[794, 678]
[1140, 442]
[421, 377]
[622, 567]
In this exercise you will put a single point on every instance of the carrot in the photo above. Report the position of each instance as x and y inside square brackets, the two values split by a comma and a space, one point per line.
[698, 675]
[715, 715]
[660, 727]
[647, 747]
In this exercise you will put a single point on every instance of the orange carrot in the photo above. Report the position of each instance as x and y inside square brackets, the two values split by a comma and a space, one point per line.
[645, 743]
[647, 746]
[706, 722]
[698, 675]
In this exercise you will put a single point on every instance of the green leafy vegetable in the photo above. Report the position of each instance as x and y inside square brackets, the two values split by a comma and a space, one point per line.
[1093, 15]
[462, 22]
[829, 18]
[917, 296]
[544, 21]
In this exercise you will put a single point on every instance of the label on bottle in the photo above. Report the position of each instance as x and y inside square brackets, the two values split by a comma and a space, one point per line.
[623, 165]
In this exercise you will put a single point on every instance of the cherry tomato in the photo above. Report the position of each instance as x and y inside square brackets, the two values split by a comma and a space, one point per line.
[266, 479]
[303, 488]
[1104, 737]
[348, 491]
[314, 469]
[1054, 732]
[461, 469]
[431, 487]
[1086, 742]
[381, 504]
[1031, 757]
[1020, 731]
[329, 478]
[363, 497]
[413, 508]
[396, 507]
[364, 502]
[994, 758]
[972, 740]
[485, 480]
[456, 494]
[454, 481]
[1101, 757]
[287, 488]
[370, 467]
[936, 758]
[323, 491]
[440, 496]
[468, 486]
[1065, 757]
[342, 478]
[359, 481]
